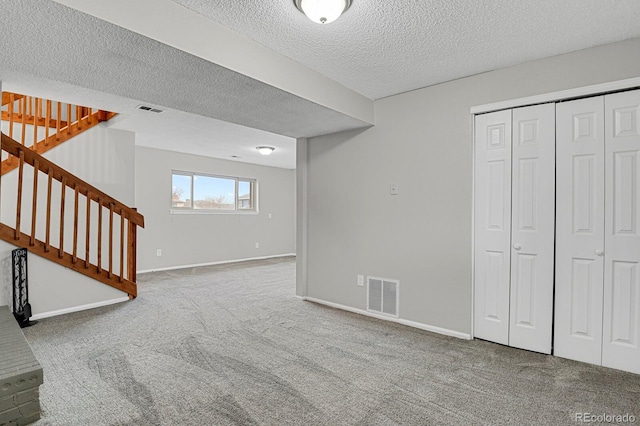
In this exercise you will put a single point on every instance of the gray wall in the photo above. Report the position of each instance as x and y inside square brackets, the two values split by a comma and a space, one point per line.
[422, 141]
[189, 239]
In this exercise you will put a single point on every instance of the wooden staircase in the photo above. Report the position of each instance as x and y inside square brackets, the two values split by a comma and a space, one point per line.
[58, 216]
[42, 124]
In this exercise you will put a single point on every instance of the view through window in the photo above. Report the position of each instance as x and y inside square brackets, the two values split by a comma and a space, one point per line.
[192, 191]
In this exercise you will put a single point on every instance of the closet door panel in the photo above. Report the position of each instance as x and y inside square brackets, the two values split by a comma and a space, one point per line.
[532, 224]
[579, 229]
[492, 226]
[621, 335]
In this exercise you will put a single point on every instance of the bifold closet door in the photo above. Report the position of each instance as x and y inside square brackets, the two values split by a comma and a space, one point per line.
[597, 316]
[621, 336]
[532, 228]
[579, 229]
[514, 227]
[492, 226]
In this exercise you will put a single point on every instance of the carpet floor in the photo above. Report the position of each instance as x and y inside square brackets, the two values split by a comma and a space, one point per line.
[232, 345]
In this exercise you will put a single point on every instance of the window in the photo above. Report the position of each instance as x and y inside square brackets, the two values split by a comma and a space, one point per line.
[191, 191]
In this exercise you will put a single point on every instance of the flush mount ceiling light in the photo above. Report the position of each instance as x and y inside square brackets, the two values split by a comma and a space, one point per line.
[322, 11]
[265, 150]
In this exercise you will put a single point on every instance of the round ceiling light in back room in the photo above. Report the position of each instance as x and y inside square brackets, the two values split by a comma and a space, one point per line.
[323, 11]
[265, 150]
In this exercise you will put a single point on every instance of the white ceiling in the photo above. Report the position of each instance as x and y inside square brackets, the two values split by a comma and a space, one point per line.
[172, 130]
[209, 109]
[382, 48]
[377, 48]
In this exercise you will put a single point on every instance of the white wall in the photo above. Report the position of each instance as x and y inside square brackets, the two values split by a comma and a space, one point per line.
[54, 289]
[190, 239]
[422, 141]
[101, 156]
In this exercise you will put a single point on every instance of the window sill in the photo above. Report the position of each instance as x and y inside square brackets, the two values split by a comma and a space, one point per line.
[214, 212]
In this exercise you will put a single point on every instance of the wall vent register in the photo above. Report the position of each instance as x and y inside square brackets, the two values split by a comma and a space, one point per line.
[150, 109]
[383, 296]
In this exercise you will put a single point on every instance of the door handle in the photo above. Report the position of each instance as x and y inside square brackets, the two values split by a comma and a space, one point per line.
[517, 246]
[600, 252]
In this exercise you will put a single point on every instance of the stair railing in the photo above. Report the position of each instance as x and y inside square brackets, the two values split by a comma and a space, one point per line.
[79, 227]
[41, 124]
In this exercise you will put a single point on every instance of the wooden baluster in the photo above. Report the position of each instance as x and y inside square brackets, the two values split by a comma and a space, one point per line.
[79, 116]
[89, 116]
[87, 231]
[131, 251]
[58, 120]
[74, 258]
[36, 116]
[110, 240]
[11, 101]
[9, 156]
[30, 102]
[24, 121]
[34, 204]
[46, 123]
[99, 235]
[47, 238]
[121, 244]
[62, 204]
[19, 203]
[68, 119]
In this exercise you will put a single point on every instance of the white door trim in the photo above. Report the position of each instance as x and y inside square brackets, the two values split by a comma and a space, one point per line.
[563, 95]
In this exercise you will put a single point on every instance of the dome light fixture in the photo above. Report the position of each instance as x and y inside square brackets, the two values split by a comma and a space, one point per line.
[323, 11]
[265, 150]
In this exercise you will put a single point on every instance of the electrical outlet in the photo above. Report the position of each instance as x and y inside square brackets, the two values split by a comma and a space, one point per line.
[361, 280]
[257, 245]
[159, 252]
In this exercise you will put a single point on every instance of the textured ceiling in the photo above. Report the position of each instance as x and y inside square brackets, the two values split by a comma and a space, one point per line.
[381, 48]
[97, 55]
[125, 69]
[171, 130]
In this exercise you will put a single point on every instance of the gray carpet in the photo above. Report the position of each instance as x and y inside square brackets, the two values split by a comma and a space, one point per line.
[231, 345]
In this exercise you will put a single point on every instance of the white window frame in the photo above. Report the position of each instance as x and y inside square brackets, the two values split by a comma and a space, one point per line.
[193, 210]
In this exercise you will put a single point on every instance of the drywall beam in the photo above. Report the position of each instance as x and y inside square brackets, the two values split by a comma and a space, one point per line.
[174, 25]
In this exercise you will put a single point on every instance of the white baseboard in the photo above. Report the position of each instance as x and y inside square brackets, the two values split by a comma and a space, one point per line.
[79, 308]
[195, 265]
[426, 327]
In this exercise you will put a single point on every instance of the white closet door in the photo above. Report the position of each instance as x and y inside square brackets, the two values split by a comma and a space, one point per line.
[492, 226]
[621, 346]
[532, 228]
[579, 229]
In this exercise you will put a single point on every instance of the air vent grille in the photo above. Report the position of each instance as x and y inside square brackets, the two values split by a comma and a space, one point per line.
[383, 296]
[150, 109]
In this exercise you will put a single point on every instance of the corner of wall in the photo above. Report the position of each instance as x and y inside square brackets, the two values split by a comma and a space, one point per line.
[301, 216]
